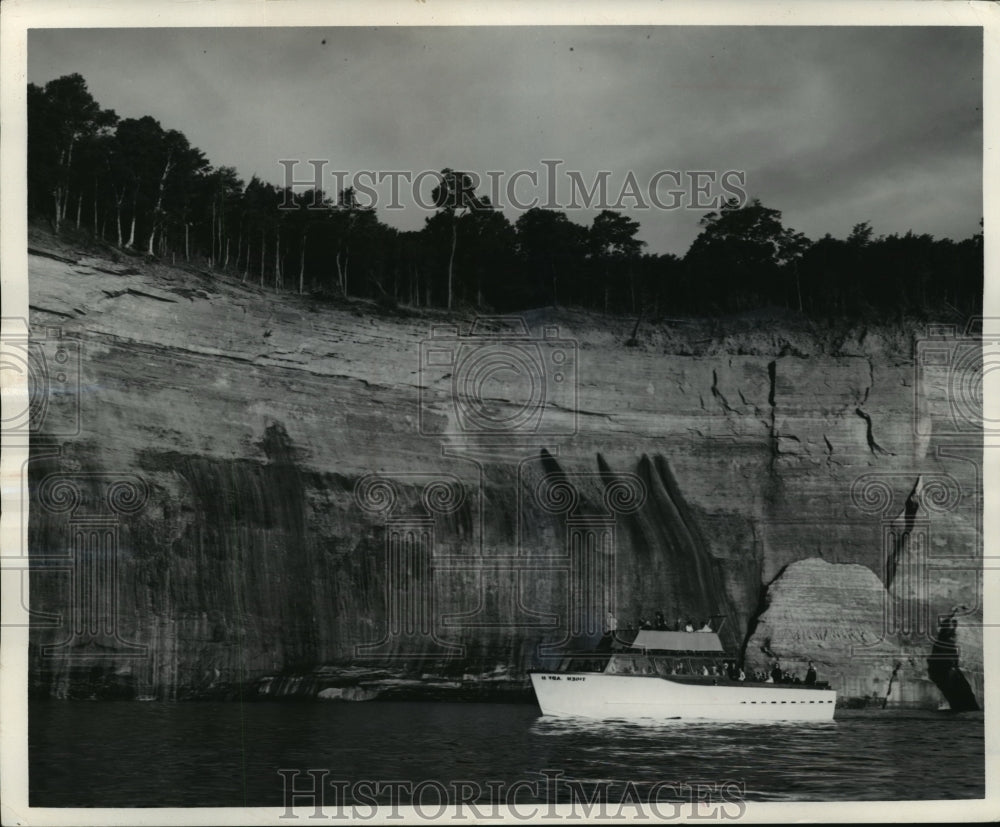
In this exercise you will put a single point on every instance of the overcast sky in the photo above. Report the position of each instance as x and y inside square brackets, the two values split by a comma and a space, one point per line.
[831, 126]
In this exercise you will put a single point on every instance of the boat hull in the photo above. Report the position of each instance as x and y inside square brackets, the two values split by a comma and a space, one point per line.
[603, 696]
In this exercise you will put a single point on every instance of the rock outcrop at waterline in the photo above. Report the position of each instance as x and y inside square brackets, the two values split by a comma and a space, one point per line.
[272, 443]
[831, 615]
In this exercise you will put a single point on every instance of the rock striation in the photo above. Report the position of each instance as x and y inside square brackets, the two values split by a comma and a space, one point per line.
[310, 497]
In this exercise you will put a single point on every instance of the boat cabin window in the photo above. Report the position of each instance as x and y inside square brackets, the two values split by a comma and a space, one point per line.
[667, 665]
[631, 665]
[586, 662]
[661, 663]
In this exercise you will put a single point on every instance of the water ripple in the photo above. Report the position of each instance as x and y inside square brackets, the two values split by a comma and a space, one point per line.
[228, 754]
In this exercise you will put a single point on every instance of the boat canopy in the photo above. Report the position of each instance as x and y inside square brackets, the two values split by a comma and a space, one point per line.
[677, 641]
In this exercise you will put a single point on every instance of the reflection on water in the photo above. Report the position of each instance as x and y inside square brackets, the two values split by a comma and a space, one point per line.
[860, 755]
[229, 754]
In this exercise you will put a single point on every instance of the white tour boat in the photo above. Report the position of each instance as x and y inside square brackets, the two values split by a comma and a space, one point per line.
[662, 675]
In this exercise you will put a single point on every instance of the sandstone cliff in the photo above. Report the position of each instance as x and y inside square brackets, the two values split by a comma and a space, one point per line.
[264, 448]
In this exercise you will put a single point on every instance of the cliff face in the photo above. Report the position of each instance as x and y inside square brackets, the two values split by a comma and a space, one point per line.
[298, 493]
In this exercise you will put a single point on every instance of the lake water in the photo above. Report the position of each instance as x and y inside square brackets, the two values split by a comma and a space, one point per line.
[229, 754]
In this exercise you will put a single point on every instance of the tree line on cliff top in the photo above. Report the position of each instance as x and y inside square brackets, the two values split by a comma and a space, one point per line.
[131, 183]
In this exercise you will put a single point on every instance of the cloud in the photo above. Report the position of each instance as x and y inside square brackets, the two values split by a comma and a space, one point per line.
[826, 122]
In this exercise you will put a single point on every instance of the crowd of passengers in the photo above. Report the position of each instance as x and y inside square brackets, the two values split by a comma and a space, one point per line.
[734, 672]
[660, 624]
[730, 669]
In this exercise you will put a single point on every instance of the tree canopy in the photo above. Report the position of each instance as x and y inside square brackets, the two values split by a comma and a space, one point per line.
[135, 184]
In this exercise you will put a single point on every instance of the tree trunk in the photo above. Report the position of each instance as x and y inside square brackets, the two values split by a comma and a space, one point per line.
[451, 257]
[342, 271]
[61, 192]
[135, 198]
[118, 220]
[158, 206]
[635, 328]
[217, 218]
[225, 261]
[69, 163]
[79, 209]
[277, 259]
[262, 258]
[302, 265]
[187, 241]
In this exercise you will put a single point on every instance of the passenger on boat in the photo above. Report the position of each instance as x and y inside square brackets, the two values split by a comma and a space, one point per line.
[811, 674]
[612, 623]
[689, 626]
[661, 624]
[704, 670]
[742, 676]
[707, 627]
[776, 673]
